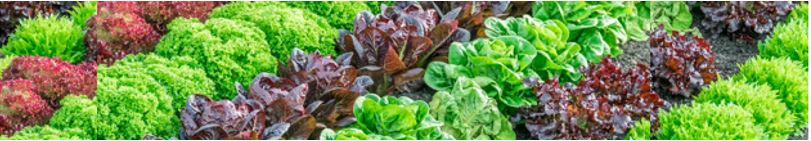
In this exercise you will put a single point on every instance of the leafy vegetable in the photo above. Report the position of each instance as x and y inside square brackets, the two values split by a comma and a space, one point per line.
[602, 106]
[706, 121]
[117, 30]
[747, 20]
[681, 65]
[228, 50]
[767, 110]
[5, 61]
[54, 78]
[376, 6]
[556, 57]
[21, 106]
[641, 130]
[50, 36]
[469, 114]
[471, 15]
[593, 25]
[46, 133]
[161, 13]
[83, 12]
[138, 95]
[800, 13]
[674, 15]
[285, 27]
[788, 77]
[789, 40]
[393, 47]
[14, 11]
[498, 65]
[390, 118]
[339, 14]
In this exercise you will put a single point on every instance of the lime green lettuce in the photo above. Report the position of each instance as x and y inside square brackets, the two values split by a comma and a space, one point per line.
[788, 39]
[46, 133]
[285, 27]
[138, 95]
[390, 118]
[83, 12]
[768, 111]
[228, 50]
[469, 114]
[339, 14]
[707, 121]
[4, 62]
[639, 131]
[48, 36]
[789, 78]
[593, 25]
[375, 5]
[799, 13]
[498, 65]
[556, 57]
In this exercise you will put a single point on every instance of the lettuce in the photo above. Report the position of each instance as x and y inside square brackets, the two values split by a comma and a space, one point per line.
[789, 40]
[284, 27]
[469, 114]
[49, 36]
[339, 14]
[593, 25]
[707, 121]
[498, 65]
[390, 118]
[557, 58]
[768, 111]
[83, 12]
[789, 78]
[228, 50]
[47, 133]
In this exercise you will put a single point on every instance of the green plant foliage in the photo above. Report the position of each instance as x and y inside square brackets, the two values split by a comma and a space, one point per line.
[4, 62]
[46, 133]
[48, 36]
[593, 25]
[285, 27]
[767, 110]
[673, 15]
[640, 131]
[789, 78]
[390, 118]
[799, 13]
[374, 6]
[788, 39]
[556, 57]
[469, 114]
[228, 50]
[498, 65]
[138, 95]
[339, 14]
[707, 121]
[83, 12]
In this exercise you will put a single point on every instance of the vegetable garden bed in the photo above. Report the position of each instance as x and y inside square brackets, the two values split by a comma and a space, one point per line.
[403, 70]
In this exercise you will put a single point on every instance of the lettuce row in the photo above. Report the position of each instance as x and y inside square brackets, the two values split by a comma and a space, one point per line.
[469, 114]
[768, 111]
[593, 25]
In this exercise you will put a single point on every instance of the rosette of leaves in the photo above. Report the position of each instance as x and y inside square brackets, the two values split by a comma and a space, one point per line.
[470, 14]
[11, 12]
[681, 65]
[557, 58]
[394, 46]
[602, 106]
[673, 15]
[390, 118]
[46, 133]
[138, 95]
[468, 113]
[21, 106]
[498, 65]
[799, 13]
[53, 78]
[160, 13]
[204, 118]
[117, 30]
[707, 121]
[50, 36]
[284, 27]
[228, 50]
[789, 40]
[593, 25]
[339, 14]
[82, 12]
[748, 20]
[768, 111]
[641, 130]
[789, 78]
